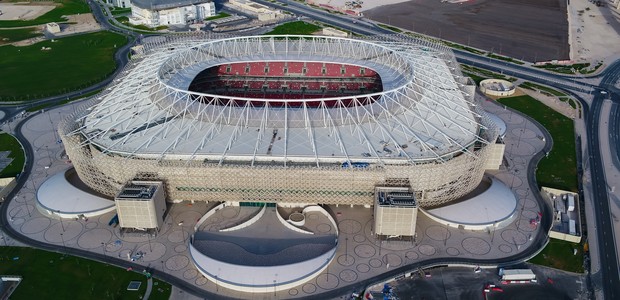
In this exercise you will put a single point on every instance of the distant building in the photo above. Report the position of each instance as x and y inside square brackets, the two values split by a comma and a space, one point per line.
[52, 27]
[170, 12]
[141, 205]
[119, 3]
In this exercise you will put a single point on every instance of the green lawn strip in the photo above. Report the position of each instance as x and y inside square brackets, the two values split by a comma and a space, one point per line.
[559, 169]
[10, 143]
[543, 89]
[466, 48]
[581, 68]
[47, 105]
[392, 28]
[50, 275]
[475, 77]
[505, 58]
[15, 35]
[559, 254]
[64, 8]
[484, 74]
[119, 10]
[218, 16]
[72, 63]
[296, 27]
[125, 21]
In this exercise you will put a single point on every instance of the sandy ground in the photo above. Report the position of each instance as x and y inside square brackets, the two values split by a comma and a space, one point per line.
[525, 29]
[23, 12]
[78, 24]
[533, 30]
[594, 31]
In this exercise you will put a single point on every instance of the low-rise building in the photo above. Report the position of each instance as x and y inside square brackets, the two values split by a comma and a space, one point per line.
[155, 13]
[141, 205]
[52, 27]
[119, 3]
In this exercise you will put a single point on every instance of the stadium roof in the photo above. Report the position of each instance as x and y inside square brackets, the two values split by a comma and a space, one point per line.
[422, 115]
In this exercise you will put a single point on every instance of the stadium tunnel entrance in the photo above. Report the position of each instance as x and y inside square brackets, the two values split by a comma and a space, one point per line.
[290, 80]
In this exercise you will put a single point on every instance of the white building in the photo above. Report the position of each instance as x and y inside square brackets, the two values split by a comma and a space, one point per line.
[119, 3]
[170, 12]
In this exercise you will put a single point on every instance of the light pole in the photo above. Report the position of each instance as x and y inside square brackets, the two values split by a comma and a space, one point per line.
[149, 239]
[346, 248]
[62, 238]
[27, 208]
[61, 223]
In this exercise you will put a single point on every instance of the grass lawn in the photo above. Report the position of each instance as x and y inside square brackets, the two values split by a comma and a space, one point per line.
[559, 169]
[72, 63]
[9, 143]
[543, 89]
[218, 16]
[15, 35]
[125, 21]
[559, 254]
[119, 10]
[49, 275]
[297, 27]
[392, 28]
[64, 7]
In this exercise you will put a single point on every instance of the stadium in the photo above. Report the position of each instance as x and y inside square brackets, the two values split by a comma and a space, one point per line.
[292, 120]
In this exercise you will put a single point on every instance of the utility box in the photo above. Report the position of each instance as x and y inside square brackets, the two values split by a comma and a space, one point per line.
[570, 202]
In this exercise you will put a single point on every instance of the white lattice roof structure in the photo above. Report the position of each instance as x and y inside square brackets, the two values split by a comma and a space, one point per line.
[420, 115]
[420, 129]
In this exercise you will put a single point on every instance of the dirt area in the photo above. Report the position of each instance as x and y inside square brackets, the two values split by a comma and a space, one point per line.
[533, 30]
[79, 23]
[594, 31]
[24, 11]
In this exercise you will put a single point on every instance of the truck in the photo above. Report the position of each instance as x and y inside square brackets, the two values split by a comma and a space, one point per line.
[571, 202]
[517, 275]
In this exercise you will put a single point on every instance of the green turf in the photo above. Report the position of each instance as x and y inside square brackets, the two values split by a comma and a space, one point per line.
[392, 28]
[125, 21]
[559, 169]
[64, 7]
[15, 35]
[119, 10]
[49, 275]
[9, 143]
[297, 27]
[72, 63]
[218, 16]
[543, 89]
[559, 254]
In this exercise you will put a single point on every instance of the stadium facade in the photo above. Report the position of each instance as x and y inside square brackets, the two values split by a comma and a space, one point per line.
[294, 120]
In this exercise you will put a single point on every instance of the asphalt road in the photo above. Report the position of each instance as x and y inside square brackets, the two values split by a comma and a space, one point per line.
[463, 283]
[604, 224]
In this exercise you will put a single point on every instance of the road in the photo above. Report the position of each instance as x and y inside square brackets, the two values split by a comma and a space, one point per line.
[607, 78]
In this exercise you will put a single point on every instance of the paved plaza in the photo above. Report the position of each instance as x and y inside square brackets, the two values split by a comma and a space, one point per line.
[359, 256]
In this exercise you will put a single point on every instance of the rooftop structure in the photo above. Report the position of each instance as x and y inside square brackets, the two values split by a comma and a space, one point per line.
[396, 212]
[295, 119]
[141, 205]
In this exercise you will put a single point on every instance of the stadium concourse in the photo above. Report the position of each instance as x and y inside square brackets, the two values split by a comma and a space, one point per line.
[354, 114]
[359, 255]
